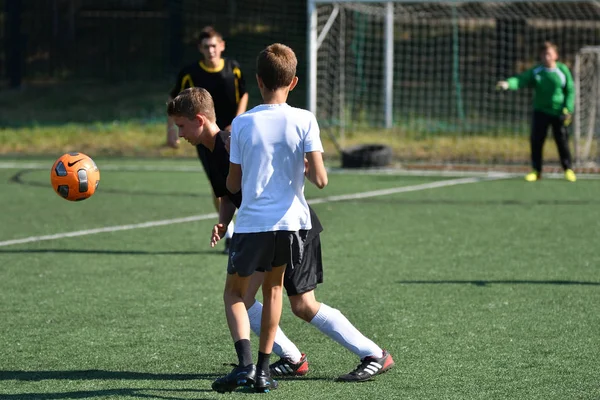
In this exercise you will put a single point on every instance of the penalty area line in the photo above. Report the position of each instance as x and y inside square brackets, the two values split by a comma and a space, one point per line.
[396, 190]
[193, 218]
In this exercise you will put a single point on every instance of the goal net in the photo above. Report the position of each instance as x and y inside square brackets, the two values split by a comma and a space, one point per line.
[421, 75]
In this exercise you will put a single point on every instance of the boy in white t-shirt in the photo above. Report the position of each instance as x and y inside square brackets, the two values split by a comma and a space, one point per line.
[269, 146]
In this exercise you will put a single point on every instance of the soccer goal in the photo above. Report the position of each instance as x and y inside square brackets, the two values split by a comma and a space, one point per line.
[587, 105]
[423, 73]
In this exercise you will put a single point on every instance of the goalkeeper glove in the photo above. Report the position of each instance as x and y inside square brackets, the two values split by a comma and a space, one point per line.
[502, 85]
[566, 117]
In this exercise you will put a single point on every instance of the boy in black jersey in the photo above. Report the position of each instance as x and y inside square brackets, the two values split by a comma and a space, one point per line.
[299, 281]
[223, 79]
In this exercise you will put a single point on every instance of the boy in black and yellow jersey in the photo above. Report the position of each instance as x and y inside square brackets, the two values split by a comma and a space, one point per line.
[224, 80]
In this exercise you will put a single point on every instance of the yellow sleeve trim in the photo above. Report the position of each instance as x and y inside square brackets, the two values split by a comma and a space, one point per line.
[238, 75]
[186, 82]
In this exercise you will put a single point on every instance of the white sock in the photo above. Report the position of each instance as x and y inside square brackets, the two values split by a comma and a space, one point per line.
[335, 325]
[229, 233]
[283, 346]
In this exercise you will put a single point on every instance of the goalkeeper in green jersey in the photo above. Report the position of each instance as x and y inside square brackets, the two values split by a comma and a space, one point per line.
[553, 103]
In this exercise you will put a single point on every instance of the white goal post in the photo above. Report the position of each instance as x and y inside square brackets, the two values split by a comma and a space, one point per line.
[587, 104]
[315, 38]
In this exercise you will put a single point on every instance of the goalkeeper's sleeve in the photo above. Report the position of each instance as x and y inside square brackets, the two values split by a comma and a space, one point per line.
[520, 81]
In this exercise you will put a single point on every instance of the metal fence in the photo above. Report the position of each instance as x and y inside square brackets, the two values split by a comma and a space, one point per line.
[125, 40]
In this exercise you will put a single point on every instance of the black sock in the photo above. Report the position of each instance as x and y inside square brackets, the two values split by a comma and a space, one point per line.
[263, 361]
[244, 352]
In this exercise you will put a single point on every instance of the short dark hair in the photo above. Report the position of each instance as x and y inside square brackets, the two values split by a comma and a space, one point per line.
[190, 102]
[276, 66]
[547, 45]
[208, 32]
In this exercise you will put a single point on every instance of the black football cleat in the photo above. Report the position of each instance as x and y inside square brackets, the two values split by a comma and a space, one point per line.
[368, 368]
[239, 376]
[264, 383]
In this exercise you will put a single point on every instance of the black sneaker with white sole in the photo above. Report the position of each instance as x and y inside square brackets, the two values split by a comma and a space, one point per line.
[368, 368]
[239, 376]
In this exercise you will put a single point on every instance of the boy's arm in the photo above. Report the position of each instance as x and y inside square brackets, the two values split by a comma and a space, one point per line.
[315, 169]
[520, 81]
[517, 82]
[241, 93]
[226, 211]
[234, 179]
[569, 90]
[313, 151]
[242, 105]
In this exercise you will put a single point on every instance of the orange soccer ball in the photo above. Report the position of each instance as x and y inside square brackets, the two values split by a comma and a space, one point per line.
[74, 176]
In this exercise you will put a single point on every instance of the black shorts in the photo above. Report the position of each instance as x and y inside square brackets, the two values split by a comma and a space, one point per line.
[262, 251]
[308, 273]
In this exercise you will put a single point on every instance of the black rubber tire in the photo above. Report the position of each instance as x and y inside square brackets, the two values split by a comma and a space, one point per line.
[367, 156]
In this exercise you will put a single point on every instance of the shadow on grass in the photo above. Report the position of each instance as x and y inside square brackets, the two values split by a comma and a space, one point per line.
[35, 376]
[18, 178]
[93, 374]
[105, 393]
[502, 282]
[113, 252]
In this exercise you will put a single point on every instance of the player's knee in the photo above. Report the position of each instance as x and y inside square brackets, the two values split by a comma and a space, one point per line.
[300, 310]
[231, 294]
[227, 295]
[304, 307]
[249, 301]
[272, 291]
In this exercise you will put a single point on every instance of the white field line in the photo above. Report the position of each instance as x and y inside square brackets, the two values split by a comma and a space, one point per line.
[401, 189]
[116, 228]
[336, 171]
[329, 199]
[452, 174]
